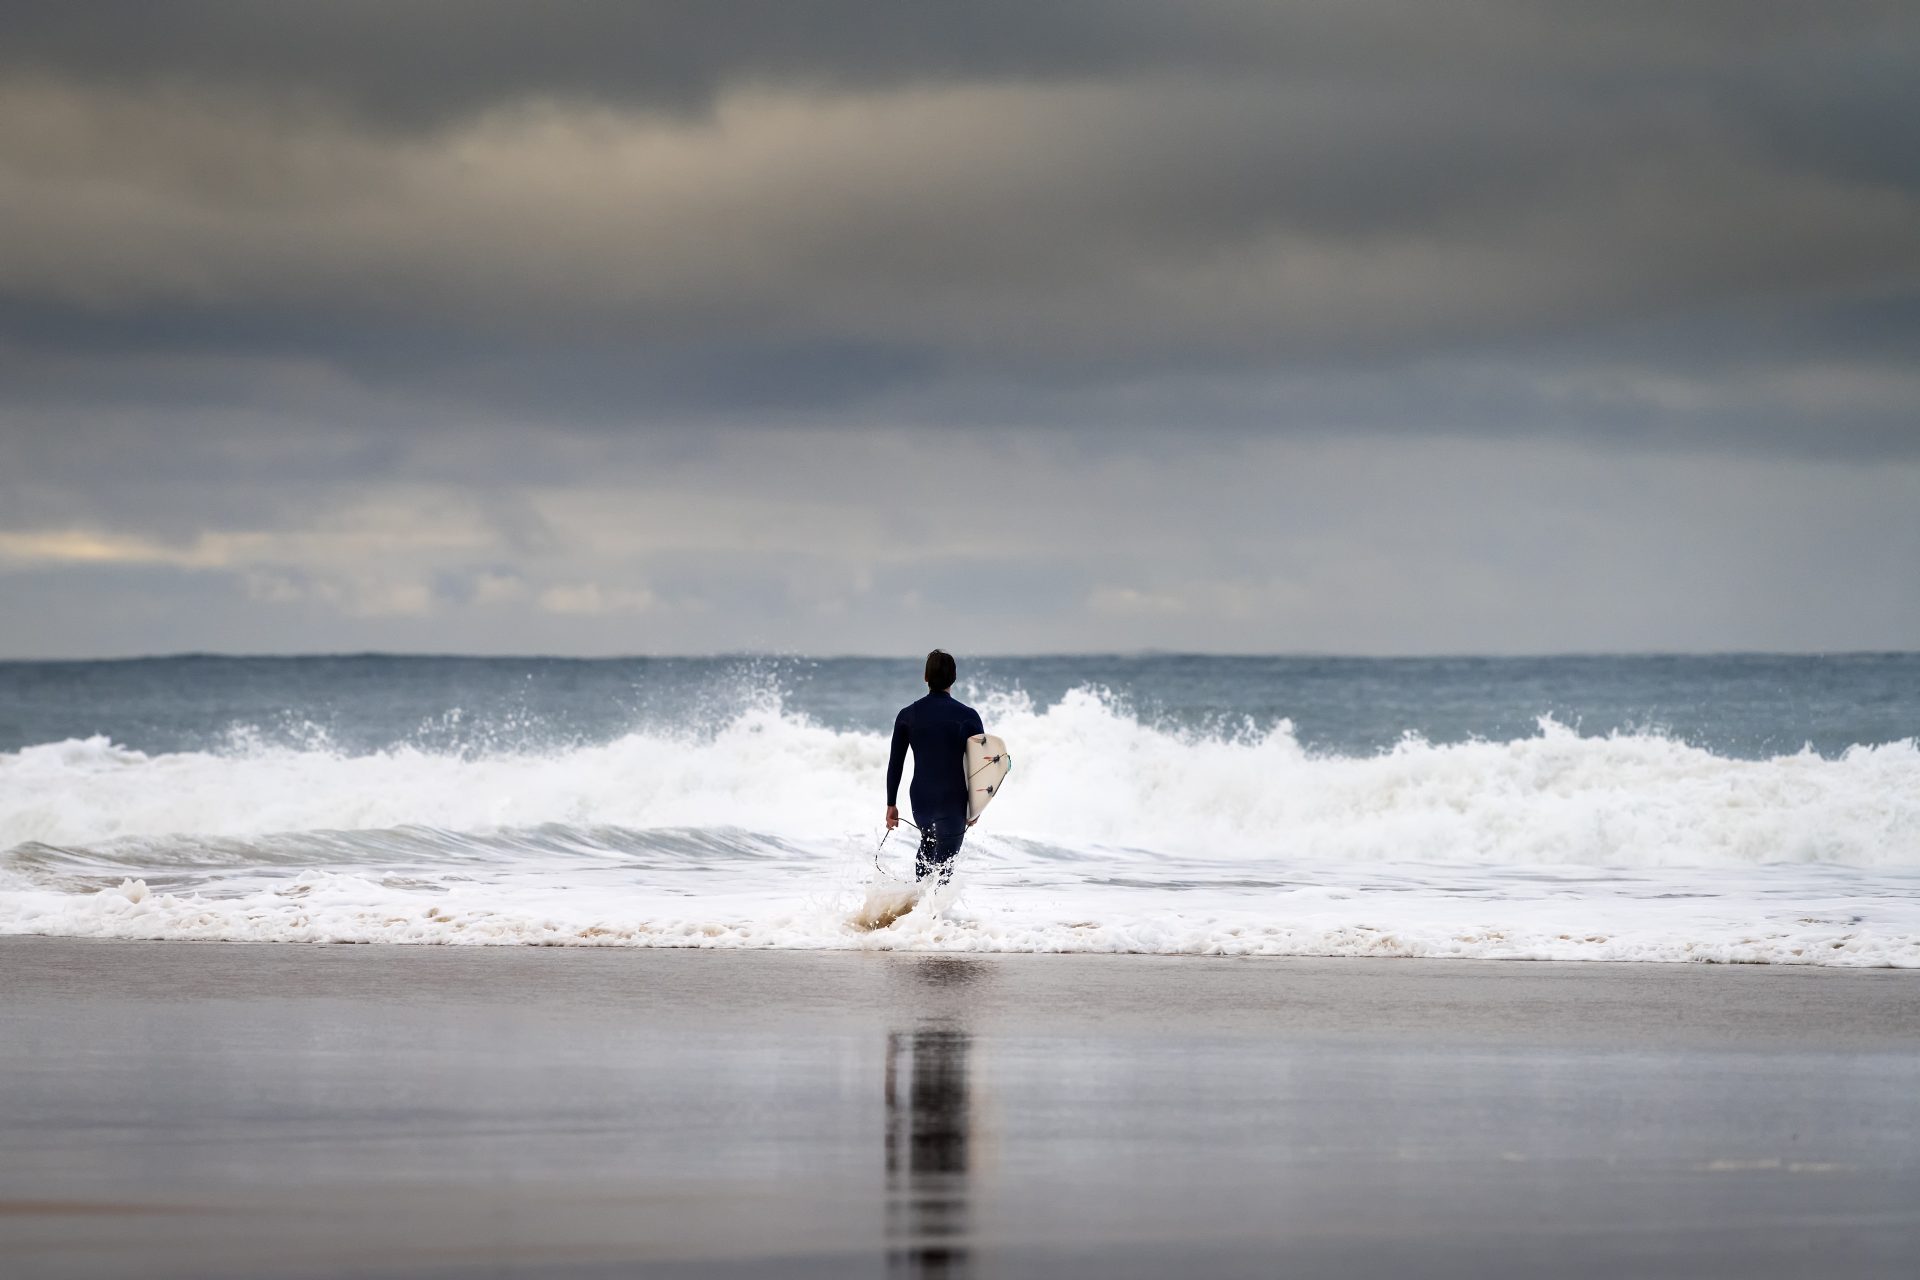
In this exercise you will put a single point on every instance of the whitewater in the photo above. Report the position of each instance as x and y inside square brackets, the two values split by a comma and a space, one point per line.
[1118, 832]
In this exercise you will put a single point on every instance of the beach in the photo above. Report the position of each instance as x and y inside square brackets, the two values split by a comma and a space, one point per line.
[768, 642]
[177, 1109]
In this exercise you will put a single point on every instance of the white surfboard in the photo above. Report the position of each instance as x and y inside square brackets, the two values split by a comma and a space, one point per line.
[987, 767]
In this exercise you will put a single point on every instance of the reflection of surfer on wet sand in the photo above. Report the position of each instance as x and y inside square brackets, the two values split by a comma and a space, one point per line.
[927, 1149]
[928, 1141]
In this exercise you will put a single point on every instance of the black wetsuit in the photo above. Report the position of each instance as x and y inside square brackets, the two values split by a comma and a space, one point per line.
[937, 728]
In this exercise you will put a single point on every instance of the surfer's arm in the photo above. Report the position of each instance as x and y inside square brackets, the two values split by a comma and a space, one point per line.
[896, 760]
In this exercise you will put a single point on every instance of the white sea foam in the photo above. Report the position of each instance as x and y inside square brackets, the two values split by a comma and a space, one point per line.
[1113, 835]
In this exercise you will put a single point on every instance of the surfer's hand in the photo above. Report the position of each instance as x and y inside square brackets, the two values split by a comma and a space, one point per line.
[971, 821]
[893, 816]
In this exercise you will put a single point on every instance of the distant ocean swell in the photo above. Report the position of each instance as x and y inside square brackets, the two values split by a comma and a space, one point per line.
[1114, 835]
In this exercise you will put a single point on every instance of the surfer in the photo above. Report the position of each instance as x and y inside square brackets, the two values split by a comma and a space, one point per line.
[937, 728]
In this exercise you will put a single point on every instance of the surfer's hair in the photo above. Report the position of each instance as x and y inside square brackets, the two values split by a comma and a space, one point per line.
[940, 670]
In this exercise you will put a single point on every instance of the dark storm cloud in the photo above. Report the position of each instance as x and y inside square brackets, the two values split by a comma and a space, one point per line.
[918, 209]
[361, 401]
[427, 60]
[419, 63]
[578, 322]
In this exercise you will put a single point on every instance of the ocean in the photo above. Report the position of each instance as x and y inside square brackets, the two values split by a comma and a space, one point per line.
[1736, 809]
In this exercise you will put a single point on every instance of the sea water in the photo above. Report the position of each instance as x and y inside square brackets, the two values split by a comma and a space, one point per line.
[1761, 809]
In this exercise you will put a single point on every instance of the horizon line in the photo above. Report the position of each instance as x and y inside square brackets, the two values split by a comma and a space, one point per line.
[1027, 655]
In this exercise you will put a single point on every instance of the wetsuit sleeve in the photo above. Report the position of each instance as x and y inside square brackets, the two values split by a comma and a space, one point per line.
[978, 728]
[897, 760]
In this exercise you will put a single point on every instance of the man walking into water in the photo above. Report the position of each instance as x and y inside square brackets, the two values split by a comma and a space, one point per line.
[937, 728]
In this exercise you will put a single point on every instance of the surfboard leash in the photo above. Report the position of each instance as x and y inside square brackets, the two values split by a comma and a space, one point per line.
[883, 844]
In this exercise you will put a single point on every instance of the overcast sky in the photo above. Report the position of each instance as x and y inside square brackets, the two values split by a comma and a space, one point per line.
[1369, 327]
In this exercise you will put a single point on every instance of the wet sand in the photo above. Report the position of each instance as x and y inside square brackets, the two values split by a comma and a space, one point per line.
[174, 1109]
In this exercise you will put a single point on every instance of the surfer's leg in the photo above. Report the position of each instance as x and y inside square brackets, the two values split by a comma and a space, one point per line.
[939, 844]
[927, 861]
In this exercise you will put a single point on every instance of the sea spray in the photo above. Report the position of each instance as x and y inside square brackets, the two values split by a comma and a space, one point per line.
[1124, 833]
[1091, 777]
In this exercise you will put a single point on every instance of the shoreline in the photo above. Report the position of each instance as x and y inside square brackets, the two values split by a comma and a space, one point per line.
[880, 942]
[773, 949]
[1451, 999]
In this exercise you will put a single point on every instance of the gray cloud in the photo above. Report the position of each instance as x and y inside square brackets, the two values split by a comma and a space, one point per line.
[342, 315]
[1003, 541]
[430, 60]
[801, 251]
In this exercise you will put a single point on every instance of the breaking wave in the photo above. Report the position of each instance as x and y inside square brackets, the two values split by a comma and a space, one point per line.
[1114, 834]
